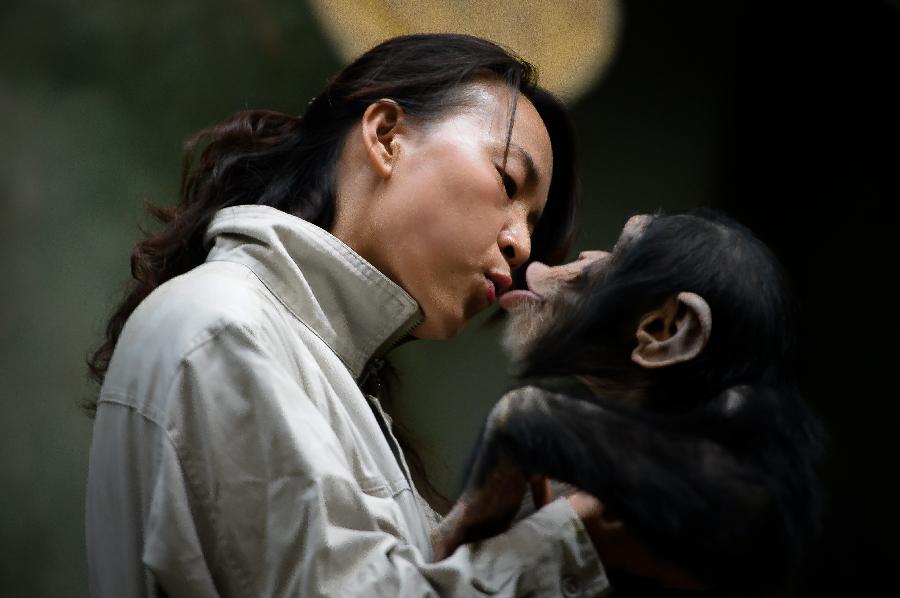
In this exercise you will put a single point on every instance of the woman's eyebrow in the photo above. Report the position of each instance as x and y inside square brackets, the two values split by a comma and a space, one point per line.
[531, 173]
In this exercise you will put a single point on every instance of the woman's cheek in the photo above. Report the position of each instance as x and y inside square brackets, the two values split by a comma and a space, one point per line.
[482, 205]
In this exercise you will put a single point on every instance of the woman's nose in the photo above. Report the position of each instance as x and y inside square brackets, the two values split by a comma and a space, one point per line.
[515, 245]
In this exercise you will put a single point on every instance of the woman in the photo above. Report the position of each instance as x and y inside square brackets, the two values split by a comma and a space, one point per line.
[234, 453]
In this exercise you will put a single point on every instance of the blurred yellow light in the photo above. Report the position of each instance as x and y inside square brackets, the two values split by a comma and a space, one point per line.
[570, 41]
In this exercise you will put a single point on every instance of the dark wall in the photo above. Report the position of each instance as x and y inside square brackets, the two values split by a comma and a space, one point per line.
[810, 161]
[792, 111]
[783, 114]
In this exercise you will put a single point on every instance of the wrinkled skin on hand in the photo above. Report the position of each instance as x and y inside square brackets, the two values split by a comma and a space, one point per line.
[481, 512]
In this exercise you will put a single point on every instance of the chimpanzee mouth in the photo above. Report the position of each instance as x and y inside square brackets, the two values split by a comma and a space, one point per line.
[510, 299]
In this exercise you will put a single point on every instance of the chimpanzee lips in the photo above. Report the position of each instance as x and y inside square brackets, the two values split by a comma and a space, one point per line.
[511, 299]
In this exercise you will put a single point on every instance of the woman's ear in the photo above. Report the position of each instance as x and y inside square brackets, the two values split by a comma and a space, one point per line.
[380, 124]
[673, 333]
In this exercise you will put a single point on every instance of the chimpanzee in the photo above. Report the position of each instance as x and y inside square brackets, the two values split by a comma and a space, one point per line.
[660, 378]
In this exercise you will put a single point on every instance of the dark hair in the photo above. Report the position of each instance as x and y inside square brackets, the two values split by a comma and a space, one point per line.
[702, 251]
[288, 162]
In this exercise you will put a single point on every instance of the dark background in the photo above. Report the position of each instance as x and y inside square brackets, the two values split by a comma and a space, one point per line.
[783, 114]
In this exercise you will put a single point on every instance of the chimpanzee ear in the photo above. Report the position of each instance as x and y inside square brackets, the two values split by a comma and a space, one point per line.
[673, 333]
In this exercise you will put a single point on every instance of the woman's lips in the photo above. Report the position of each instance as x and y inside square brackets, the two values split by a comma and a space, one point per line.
[491, 291]
[511, 299]
[497, 283]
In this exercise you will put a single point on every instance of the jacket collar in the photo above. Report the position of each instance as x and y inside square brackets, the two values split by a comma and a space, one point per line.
[354, 308]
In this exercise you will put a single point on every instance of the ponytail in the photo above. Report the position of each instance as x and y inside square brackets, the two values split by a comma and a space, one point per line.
[247, 158]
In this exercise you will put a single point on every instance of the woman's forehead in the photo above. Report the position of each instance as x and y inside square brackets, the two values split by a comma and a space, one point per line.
[482, 122]
[491, 104]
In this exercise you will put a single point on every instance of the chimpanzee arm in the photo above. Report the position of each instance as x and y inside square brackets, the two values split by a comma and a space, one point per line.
[685, 496]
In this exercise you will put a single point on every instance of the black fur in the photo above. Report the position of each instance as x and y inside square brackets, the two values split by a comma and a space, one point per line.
[715, 466]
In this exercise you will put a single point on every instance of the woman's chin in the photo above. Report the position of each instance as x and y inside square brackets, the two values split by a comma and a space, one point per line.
[438, 330]
[441, 324]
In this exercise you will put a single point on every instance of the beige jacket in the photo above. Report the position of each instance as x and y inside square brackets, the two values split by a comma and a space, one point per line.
[234, 454]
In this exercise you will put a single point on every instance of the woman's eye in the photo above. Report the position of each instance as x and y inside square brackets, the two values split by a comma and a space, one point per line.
[509, 185]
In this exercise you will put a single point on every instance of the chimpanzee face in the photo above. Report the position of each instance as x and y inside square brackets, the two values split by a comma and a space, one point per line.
[552, 288]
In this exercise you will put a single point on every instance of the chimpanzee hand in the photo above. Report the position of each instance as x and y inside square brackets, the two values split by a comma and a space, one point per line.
[489, 510]
[481, 511]
[618, 549]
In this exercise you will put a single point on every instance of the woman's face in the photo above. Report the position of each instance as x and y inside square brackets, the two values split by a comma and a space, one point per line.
[452, 219]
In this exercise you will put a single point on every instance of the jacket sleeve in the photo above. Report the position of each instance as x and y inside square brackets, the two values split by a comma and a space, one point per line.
[254, 496]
